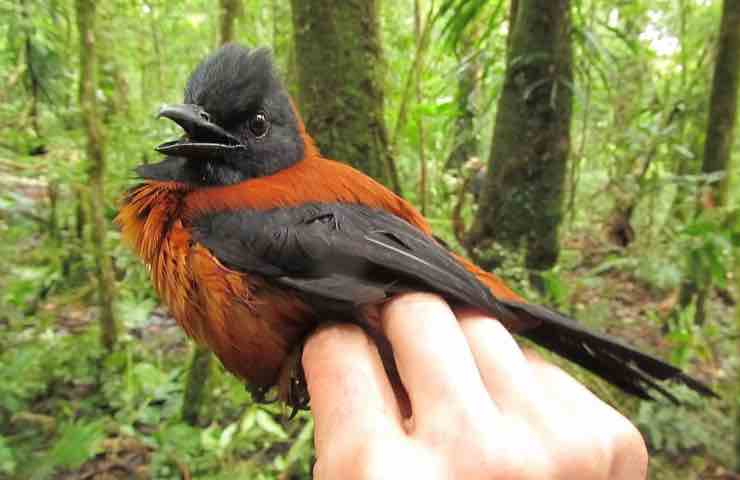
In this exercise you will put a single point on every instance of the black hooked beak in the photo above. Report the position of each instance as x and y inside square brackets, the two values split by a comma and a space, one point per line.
[203, 139]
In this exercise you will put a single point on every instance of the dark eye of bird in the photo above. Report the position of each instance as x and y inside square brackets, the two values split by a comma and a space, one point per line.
[259, 125]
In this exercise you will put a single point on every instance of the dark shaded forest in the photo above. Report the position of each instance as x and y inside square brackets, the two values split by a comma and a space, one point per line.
[582, 150]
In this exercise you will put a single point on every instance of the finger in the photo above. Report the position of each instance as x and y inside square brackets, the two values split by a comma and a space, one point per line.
[616, 446]
[505, 370]
[389, 365]
[631, 457]
[351, 397]
[434, 362]
[562, 390]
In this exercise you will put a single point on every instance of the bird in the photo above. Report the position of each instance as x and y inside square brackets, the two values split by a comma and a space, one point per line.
[253, 239]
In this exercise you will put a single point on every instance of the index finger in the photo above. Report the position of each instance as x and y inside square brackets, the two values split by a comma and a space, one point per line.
[351, 396]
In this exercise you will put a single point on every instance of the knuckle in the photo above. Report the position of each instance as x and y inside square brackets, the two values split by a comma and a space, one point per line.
[473, 324]
[410, 303]
[630, 450]
[536, 464]
[631, 438]
[522, 467]
[329, 336]
[519, 455]
[582, 451]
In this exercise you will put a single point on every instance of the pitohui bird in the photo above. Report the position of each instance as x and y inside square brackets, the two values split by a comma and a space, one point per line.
[253, 238]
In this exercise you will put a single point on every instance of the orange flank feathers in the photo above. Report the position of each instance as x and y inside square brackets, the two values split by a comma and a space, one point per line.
[247, 323]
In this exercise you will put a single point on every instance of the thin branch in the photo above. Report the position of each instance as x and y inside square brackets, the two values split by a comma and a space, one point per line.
[423, 175]
[415, 67]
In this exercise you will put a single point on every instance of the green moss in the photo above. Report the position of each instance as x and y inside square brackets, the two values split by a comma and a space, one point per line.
[340, 66]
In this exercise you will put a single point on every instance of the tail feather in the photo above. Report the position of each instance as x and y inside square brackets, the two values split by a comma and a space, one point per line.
[632, 371]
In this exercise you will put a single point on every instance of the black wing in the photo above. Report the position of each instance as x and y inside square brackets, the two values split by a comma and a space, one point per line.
[344, 252]
[352, 255]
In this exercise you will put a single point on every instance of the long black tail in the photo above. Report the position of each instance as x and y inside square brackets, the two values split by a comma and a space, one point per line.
[634, 372]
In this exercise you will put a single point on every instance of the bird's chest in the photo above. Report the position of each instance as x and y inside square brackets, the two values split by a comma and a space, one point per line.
[251, 325]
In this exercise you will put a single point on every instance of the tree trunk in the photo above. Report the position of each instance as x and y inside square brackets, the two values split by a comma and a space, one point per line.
[195, 386]
[339, 59]
[719, 139]
[229, 11]
[158, 57]
[52, 191]
[723, 103]
[737, 373]
[33, 76]
[85, 10]
[522, 202]
[80, 214]
[282, 44]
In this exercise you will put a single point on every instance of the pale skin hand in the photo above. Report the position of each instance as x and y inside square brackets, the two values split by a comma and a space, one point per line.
[481, 408]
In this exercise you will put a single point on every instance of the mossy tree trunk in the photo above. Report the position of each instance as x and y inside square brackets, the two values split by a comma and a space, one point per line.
[282, 43]
[719, 140]
[199, 372]
[339, 65]
[521, 204]
[85, 10]
[737, 373]
[723, 103]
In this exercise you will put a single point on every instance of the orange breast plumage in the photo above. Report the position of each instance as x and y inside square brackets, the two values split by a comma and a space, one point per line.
[249, 324]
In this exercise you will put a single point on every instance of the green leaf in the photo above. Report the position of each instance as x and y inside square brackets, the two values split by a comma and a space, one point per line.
[77, 443]
[615, 263]
[227, 435]
[180, 438]
[209, 438]
[268, 424]
[699, 228]
[7, 457]
[135, 313]
[684, 151]
[148, 377]
[249, 420]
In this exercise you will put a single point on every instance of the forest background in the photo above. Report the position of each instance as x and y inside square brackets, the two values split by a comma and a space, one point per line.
[581, 148]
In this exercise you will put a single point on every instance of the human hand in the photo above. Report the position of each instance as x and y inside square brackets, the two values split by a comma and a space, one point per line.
[480, 408]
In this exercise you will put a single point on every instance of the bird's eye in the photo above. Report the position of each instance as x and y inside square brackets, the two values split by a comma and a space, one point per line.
[259, 125]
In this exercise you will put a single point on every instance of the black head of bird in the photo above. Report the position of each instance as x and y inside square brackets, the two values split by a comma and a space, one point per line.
[238, 122]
